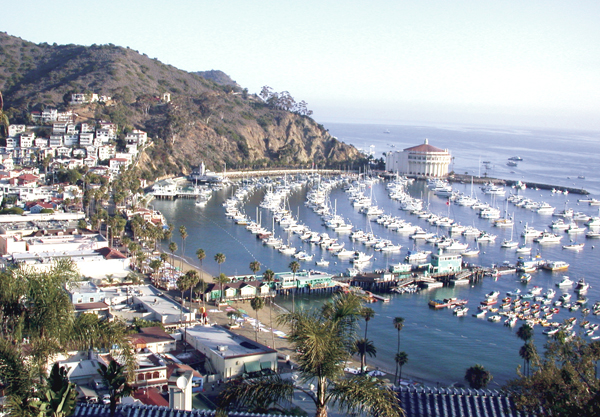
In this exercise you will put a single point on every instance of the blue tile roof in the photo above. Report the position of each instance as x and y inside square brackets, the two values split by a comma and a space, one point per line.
[455, 402]
[140, 410]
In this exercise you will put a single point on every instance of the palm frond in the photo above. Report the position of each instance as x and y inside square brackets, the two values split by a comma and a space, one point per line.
[367, 395]
[256, 394]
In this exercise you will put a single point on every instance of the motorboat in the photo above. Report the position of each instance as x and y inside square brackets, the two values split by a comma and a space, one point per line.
[523, 249]
[565, 297]
[303, 256]
[559, 225]
[530, 232]
[417, 256]
[574, 246]
[525, 278]
[390, 247]
[509, 244]
[535, 290]
[471, 231]
[556, 265]
[345, 253]
[461, 311]
[470, 252]
[480, 314]
[593, 234]
[322, 262]
[492, 189]
[361, 257]
[565, 282]
[582, 286]
[492, 295]
[548, 237]
[485, 237]
[574, 228]
[545, 208]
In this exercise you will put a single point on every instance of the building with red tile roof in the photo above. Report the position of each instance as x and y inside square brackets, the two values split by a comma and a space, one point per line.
[422, 160]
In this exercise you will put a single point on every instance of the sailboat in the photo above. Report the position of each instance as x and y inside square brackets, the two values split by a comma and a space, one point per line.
[510, 244]
[524, 248]
[505, 221]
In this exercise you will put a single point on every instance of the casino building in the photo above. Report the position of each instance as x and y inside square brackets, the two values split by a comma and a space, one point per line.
[422, 160]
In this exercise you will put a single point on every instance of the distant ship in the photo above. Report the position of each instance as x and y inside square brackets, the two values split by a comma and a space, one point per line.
[515, 158]
[386, 131]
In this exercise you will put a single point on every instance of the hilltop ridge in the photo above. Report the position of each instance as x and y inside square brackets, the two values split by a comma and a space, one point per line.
[209, 116]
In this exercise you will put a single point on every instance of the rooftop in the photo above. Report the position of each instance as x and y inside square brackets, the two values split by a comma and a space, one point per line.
[425, 147]
[225, 343]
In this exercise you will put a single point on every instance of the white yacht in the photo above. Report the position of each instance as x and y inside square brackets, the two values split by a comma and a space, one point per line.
[322, 262]
[565, 282]
[548, 237]
[417, 256]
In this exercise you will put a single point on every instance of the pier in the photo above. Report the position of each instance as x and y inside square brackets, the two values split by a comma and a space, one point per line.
[461, 178]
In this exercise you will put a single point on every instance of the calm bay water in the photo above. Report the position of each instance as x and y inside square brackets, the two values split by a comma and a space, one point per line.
[440, 346]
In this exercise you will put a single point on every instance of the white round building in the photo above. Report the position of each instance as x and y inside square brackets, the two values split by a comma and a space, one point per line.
[422, 160]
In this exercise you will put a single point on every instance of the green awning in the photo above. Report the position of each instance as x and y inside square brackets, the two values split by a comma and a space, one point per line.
[265, 365]
[252, 367]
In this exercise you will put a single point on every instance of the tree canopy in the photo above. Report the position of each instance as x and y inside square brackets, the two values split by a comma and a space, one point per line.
[563, 382]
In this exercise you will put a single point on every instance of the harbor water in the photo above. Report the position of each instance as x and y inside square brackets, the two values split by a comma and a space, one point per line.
[440, 345]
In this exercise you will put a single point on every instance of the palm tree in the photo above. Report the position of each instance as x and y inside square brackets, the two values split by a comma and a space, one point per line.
[401, 359]
[155, 264]
[478, 377]
[164, 257]
[193, 279]
[254, 267]
[257, 303]
[200, 290]
[322, 339]
[183, 234]
[222, 279]
[527, 352]
[114, 378]
[183, 284]
[398, 325]
[200, 254]
[294, 267]
[525, 332]
[172, 249]
[219, 258]
[364, 347]
[232, 316]
[268, 277]
[367, 313]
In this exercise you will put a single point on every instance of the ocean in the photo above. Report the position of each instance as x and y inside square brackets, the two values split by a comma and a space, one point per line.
[440, 346]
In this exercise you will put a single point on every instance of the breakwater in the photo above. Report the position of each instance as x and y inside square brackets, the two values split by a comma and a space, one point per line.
[461, 178]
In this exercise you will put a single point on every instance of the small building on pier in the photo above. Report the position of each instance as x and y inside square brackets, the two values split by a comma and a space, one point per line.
[445, 263]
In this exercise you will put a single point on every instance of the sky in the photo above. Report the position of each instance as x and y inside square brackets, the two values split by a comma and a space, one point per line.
[526, 63]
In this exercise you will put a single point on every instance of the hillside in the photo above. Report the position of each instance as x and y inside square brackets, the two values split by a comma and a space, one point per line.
[210, 117]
